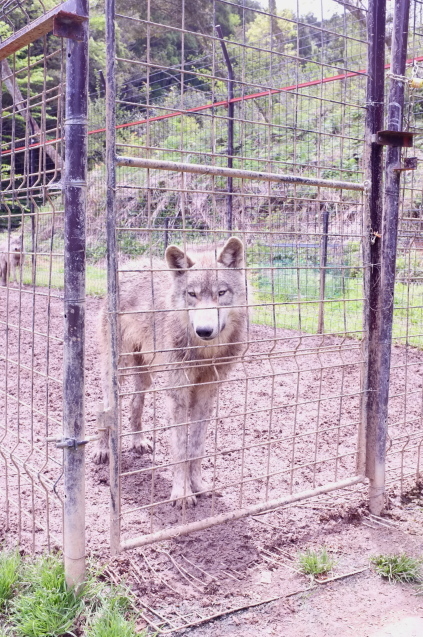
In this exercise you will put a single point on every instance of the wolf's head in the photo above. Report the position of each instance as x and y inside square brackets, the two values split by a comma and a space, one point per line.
[211, 285]
[16, 244]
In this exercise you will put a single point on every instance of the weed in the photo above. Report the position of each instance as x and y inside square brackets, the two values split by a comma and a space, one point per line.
[315, 563]
[398, 567]
[9, 574]
[46, 608]
[110, 621]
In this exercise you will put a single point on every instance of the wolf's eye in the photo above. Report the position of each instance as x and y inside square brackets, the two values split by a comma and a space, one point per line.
[222, 292]
[193, 294]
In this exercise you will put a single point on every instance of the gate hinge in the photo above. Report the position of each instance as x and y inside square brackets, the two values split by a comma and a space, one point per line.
[409, 163]
[69, 25]
[393, 138]
[72, 443]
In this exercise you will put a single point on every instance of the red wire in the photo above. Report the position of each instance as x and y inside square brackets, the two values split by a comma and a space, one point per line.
[203, 107]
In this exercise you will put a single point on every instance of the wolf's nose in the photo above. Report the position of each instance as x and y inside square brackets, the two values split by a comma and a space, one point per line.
[204, 332]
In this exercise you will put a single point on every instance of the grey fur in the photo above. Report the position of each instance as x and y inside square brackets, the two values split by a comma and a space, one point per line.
[190, 317]
[11, 257]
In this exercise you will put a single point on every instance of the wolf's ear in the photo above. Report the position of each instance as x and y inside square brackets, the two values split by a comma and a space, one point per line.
[177, 259]
[232, 255]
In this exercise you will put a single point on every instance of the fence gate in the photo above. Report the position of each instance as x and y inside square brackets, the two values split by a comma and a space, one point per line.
[42, 264]
[261, 137]
[223, 119]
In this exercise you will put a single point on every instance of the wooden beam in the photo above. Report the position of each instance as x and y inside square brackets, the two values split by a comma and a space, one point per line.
[63, 14]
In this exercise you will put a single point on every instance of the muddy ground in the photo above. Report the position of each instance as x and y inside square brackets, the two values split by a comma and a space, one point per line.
[287, 420]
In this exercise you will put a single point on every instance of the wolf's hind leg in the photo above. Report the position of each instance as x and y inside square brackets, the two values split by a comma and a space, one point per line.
[202, 402]
[142, 381]
[4, 269]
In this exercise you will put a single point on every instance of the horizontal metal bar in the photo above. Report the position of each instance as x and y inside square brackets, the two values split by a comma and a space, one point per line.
[199, 525]
[65, 12]
[219, 171]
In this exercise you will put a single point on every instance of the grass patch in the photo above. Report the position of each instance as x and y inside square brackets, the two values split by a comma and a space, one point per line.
[9, 574]
[289, 298]
[110, 621]
[398, 568]
[315, 563]
[52, 275]
[46, 607]
[41, 605]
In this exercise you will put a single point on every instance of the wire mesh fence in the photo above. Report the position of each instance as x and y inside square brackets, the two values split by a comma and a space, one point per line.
[202, 89]
[405, 416]
[286, 419]
[31, 264]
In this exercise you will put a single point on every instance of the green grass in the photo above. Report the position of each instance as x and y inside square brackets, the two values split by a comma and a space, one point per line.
[39, 604]
[315, 563]
[46, 607]
[9, 574]
[290, 300]
[109, 621]
[52, 274]
[398, 568]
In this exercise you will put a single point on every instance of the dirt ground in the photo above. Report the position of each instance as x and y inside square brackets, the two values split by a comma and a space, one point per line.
[244, 563]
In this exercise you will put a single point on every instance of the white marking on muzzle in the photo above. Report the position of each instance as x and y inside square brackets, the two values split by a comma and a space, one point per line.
[205, 322]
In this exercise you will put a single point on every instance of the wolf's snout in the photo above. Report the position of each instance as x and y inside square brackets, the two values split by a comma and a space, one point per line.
[204, 332]
[205, 322]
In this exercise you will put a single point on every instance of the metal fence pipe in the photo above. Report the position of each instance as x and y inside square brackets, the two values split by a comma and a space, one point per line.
[389, 248]
[371, 242]
[230, 516]
[112, 278]
[220, 171]
[74, 191]
[230, 122]
[323, 266]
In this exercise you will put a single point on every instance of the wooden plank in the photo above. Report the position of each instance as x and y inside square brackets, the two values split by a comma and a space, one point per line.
[64, 12]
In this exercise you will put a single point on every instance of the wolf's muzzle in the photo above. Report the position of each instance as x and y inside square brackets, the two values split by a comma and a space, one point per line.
[204, 333]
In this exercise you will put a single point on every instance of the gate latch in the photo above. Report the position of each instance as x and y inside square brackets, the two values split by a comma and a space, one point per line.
[72, 443]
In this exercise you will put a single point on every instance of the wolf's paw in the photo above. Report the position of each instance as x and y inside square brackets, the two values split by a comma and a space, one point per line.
[140, 444]
[201, 488]
[180, 496]
[101, 454]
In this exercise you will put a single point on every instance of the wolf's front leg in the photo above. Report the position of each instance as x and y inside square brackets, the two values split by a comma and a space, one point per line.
[202, 403]
[178, 404]
[101, 451]
[13, 272]
[143, 382]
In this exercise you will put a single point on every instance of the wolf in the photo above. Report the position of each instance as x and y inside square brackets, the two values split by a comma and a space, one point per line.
[11, 257]
[188, 314]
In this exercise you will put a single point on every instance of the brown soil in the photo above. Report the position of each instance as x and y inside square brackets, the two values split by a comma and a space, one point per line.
[250, 560]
